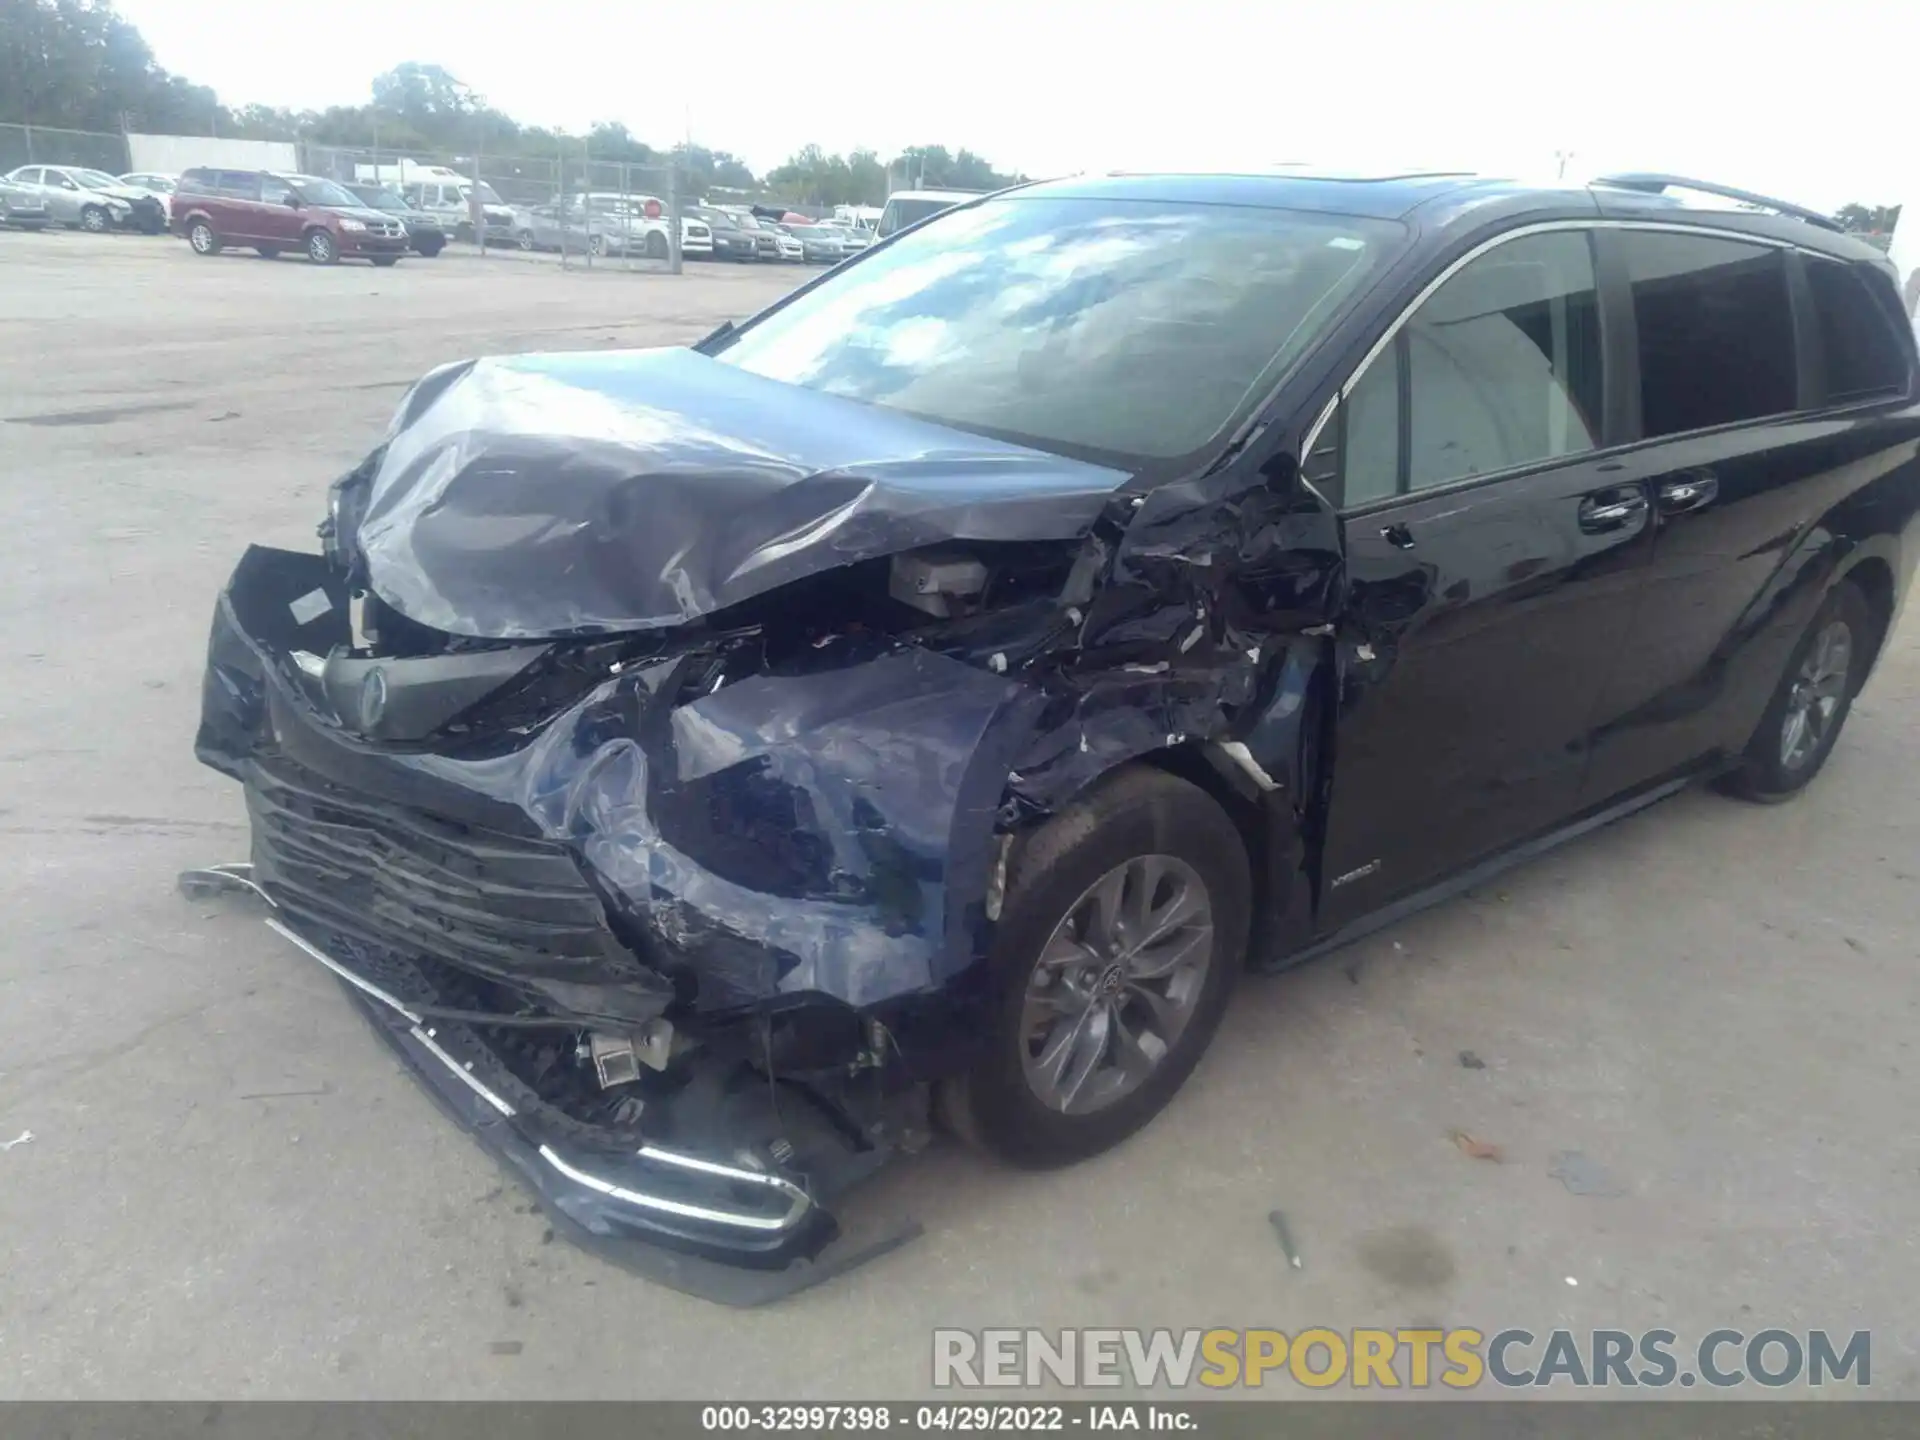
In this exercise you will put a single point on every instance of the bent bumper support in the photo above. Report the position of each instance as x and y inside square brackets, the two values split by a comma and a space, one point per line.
[725, 1232]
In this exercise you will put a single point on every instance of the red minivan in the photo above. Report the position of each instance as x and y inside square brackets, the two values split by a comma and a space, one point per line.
[273, 212]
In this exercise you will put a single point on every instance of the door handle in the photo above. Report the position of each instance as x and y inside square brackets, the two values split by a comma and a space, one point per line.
[1398, 536]
[1612, 510]
[1690, 493]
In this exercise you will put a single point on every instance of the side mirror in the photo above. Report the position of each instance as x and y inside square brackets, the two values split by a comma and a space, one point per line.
[293, 202]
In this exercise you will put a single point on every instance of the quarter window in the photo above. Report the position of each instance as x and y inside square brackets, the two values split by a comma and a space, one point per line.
[1716, 330]
[1862, 351]
[1500, 367]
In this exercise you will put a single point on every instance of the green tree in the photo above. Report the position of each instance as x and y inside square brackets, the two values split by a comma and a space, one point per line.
[1868, 219]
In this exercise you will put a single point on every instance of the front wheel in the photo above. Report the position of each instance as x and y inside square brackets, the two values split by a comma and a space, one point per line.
[321, 249]
[383, 261]
[597, 245]
[431, 248]
[1813, 700]
[201, 237]
[656, 245]
[1123, 931]
[525, 239]
[93, 219]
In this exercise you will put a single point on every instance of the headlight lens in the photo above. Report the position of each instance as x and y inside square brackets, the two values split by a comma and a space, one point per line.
[347, 223]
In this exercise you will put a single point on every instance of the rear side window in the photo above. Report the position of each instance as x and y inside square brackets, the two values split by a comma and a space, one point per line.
[196, 182]
[1861, 350]
[240, 184]
[1716, 330]
[1499, 368]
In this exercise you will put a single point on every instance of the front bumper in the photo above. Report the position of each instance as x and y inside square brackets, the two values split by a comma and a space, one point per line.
[604, 874]
[361, 242]
[736, 1230]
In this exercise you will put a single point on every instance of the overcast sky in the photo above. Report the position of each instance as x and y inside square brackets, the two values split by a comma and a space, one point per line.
[1818, 103]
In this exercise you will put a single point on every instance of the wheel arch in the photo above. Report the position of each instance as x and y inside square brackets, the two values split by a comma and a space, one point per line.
[1873, 575]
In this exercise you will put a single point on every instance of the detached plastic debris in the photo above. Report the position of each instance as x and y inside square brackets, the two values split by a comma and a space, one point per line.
[1278, 1220]
[1476, 1149]
[22, 1138]
[1583, 1176]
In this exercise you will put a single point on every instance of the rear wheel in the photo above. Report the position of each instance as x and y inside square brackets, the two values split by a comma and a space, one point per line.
[525, 239]
[1814, 698]
[434, 245]
[201, 237]
[1124, 928]
[94, 219]
[383, 261]
[268, 252]
[321, 249]
[597, 245]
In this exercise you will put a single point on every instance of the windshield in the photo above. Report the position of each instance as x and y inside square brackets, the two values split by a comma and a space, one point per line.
[718, 219]
[380, 198]
[95, 179]
[1132, 329]
[322, 192]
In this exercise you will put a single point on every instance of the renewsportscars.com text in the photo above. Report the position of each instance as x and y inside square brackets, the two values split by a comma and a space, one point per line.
[1418, 1359]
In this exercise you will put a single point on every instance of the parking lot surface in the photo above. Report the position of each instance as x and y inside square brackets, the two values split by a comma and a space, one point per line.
[232, 1189]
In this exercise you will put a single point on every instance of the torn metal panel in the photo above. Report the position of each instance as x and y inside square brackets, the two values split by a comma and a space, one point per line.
[829, 830]
[546, 495]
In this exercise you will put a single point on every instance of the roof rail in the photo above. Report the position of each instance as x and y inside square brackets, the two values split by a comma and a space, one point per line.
[1659, 184]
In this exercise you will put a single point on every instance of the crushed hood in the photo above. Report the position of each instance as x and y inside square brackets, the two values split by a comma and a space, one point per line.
[547, 495]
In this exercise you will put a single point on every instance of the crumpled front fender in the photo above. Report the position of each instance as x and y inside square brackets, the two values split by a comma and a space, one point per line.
[823, 832]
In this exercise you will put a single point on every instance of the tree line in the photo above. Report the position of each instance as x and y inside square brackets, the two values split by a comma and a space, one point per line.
[80, 65]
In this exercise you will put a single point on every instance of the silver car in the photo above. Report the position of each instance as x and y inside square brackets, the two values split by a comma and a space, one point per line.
[80, 198]
[22, 209]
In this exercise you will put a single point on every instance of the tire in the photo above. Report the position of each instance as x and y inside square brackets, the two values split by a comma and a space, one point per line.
[597, 246]
[430, 248]
[1803, 720]
[525, 239]
[267, 252]
[321, 247]
[201, 237]
[656, 245]
[93, 220]
[463, 230]
[384, 261]
[1049, 964]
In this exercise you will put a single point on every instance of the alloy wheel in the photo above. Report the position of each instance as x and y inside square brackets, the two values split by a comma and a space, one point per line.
[201, 238]
[93, 218]
[320, 247]
[1116, 984]
[1818, 690]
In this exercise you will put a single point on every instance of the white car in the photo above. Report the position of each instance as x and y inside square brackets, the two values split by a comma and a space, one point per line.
[160, 187]
[790, 246]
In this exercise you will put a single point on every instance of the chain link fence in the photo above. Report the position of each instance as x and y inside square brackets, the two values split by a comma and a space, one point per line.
[588, 213]
[42, 145]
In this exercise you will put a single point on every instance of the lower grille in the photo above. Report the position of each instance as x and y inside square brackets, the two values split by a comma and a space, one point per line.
[513, 909]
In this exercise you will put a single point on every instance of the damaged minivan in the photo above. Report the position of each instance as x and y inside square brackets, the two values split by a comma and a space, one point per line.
[711, 767]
